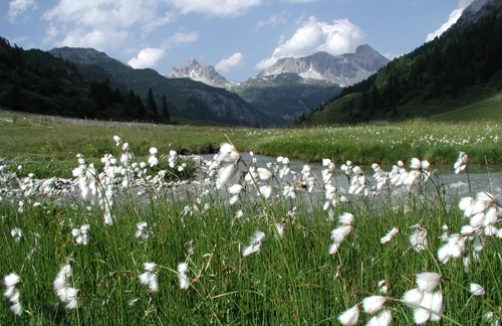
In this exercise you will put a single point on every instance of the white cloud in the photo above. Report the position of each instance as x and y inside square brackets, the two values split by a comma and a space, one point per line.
[147, 58]
[454, 16]
[234, 60]
[214, 7]
[19, 7]
[180, 38]
[273, 20]
[339, 37]
[160, 21]
[105, 23]
[93, 38]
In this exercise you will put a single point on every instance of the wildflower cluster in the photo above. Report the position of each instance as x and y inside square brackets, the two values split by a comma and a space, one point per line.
[483, 213]
[271, 189]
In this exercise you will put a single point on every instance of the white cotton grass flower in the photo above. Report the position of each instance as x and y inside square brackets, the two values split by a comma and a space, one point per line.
[255, 243]
[181, 167]
[235, 190]
[420, 315]
[347, 167]
[285, 170]
[476, 289]
[149, 277]
[428, 281]
[418, 239]
[227, 176]
[307, 178]
[117, 140]
[437, 306]
[69, 295]
[327, 173]
[412, 297]
[62, 277]
[152, 159]
[281, 228]
[228, 153]
[66, 293]
[173, 159]
[11, 280]
[384, 318]
[346, 219]
[20, 208]
[374, 303]
[289, 191]
[386, 238]
[183, 281]
[265, 191]
[493, 318]
[431, 308]
[264, 174]
[454, 248]
[142, 230]
[127, 155]
[17, 308]
[81, 234]
[358, 182]
[383, 286]
[12, 293]
[338, 234]
[17, 234]
[461, 163]
[132, 302]
[350, 316]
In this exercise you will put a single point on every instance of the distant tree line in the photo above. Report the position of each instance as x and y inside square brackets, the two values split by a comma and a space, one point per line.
[34, 81]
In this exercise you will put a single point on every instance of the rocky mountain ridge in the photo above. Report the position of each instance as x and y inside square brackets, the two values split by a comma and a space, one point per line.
[476, 10]
[345, 69]
[206, 74]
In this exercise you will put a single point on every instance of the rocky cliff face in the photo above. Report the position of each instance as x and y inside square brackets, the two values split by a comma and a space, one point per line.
[344, 70]
[198, 72]
[476, 10]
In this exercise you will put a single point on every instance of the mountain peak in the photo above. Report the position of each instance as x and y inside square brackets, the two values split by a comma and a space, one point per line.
[344, 70]
[82, 55]
[192, 63]
[476, 10]
[199, 72]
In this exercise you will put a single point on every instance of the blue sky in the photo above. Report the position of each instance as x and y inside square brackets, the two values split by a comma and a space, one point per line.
[238, 37]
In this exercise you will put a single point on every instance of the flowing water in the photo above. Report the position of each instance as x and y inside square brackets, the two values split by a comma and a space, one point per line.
[480, 177]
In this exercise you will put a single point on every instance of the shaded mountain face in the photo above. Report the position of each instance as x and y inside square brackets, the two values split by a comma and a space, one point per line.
[476, 10]
[285, 96]
[186, 98]
[198, 72]
[344, 70]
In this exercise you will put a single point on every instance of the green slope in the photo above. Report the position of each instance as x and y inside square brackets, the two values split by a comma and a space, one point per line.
[462, 67]
[283, 97]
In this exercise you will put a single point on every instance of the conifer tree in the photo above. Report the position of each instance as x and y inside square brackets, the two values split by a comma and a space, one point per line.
[165, 110]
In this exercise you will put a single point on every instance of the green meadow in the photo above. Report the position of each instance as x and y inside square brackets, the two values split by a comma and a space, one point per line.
[294, 276]
[48, 145]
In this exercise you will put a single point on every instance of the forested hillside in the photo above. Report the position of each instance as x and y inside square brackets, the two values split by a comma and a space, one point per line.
[460, 67]
[35, 81]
